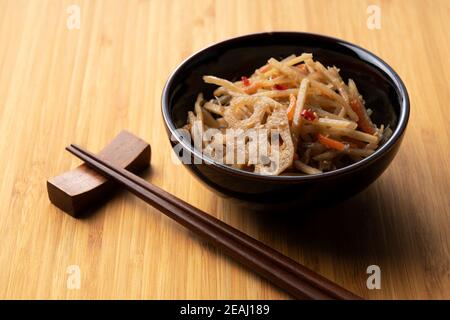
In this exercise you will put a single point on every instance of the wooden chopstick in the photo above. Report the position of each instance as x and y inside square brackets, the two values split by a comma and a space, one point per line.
[284, 272]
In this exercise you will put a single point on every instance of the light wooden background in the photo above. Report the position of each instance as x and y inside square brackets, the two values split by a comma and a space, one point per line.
[59, 86]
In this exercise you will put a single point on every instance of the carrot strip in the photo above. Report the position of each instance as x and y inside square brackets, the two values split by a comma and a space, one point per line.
[330, 143]
[364, 121]
[354, 143]
[291, 108]
[252, 88]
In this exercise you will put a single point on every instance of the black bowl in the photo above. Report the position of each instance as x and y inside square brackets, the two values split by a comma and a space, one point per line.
[379, 84]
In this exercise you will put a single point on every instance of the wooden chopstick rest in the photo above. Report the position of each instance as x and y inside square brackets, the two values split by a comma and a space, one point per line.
[82, 188]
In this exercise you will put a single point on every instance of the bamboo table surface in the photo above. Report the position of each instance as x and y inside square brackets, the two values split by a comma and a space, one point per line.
[60, 85]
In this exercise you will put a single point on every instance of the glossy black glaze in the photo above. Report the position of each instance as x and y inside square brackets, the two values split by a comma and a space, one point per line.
[381, 87]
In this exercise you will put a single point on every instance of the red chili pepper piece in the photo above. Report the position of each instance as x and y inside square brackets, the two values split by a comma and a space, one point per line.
[280, 87]
[308, 114]
[245, 81]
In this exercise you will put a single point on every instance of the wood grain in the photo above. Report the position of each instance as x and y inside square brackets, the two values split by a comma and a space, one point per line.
[59, 86]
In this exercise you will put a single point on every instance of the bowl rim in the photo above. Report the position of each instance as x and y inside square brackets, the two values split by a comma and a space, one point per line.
[400, 87]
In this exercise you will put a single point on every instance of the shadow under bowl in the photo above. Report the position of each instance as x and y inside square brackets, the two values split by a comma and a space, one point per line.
[381, 87]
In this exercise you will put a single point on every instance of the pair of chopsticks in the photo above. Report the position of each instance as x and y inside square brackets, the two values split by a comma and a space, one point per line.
[284, 272]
